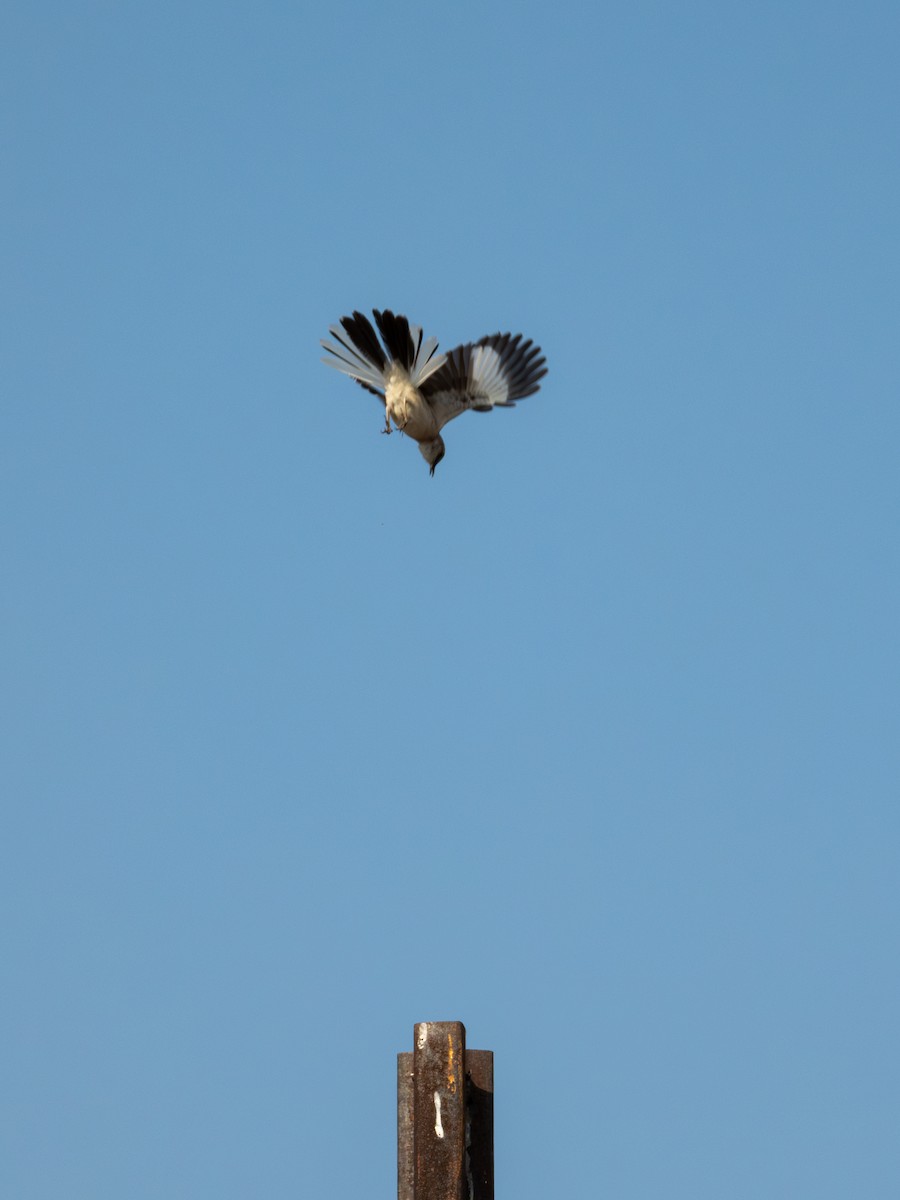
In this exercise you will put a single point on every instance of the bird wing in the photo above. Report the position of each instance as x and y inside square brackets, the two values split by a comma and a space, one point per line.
[494, 372]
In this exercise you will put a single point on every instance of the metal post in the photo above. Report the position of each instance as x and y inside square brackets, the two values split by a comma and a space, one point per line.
[445, 1117]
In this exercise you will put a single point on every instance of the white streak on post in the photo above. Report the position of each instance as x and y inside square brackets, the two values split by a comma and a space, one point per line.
[438, 1127]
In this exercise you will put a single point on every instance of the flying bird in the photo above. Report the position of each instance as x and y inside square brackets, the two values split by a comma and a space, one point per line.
[422, 390]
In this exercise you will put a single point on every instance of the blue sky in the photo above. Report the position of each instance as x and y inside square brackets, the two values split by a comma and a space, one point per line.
[591, 741]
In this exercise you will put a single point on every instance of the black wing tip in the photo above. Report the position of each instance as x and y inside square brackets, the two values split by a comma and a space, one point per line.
[523, 363]
[396, 335]
[359, 329]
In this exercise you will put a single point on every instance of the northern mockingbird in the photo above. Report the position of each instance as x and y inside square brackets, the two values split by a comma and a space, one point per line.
[422, 390]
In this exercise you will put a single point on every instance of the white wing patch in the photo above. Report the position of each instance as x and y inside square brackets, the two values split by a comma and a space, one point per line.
[487, 378]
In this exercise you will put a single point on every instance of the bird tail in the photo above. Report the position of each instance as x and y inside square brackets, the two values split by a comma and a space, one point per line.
[359, 354]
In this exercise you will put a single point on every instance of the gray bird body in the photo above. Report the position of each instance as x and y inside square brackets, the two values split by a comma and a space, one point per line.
[423, 390]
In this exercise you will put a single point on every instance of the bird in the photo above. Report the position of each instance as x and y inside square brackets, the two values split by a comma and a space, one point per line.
[422, 390]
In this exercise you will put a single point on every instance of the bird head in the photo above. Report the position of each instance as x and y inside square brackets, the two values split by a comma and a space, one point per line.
[432, 451]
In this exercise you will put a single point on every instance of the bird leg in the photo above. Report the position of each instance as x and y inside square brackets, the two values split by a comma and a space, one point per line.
[399, 425]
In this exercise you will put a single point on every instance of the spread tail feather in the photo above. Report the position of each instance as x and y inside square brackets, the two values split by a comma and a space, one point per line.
[358, 352]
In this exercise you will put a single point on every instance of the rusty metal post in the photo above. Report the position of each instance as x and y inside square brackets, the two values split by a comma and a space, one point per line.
[445, 1117]
[406, 1181]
